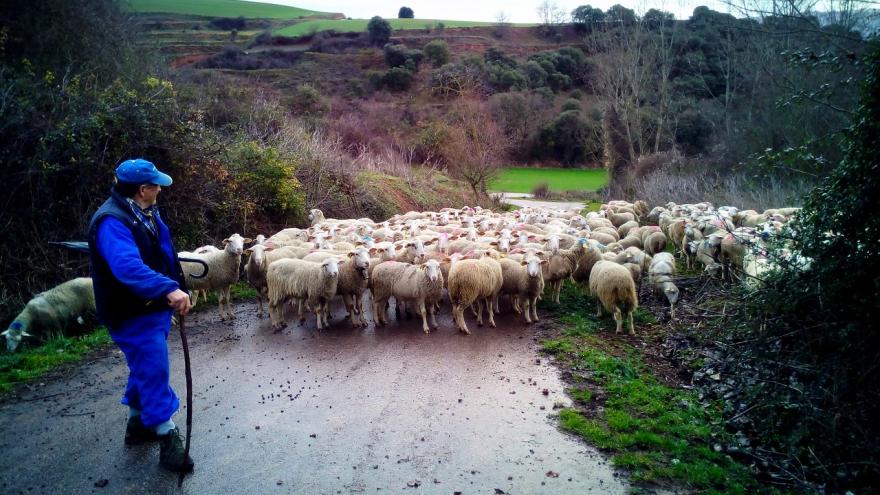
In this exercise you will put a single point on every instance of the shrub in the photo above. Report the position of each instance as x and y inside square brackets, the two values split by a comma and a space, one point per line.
[457, 80]
[229, 23]
[405, 13]
[571, 105]
[571, 139]
[397, 79]
[307, 100]
[378, 30]
[541, 190]
[437, 52]
[535, 74]
[399, 56]
[503, 78]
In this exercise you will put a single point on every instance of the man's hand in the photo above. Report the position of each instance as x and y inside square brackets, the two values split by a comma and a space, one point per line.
[179, 300]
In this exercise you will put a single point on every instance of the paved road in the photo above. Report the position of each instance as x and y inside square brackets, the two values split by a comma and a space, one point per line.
[523, 199]
[341, 411]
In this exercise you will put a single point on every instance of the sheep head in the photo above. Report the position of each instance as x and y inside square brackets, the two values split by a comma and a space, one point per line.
[330, 267]
[235, 243]
[432, 270]
[14, 334]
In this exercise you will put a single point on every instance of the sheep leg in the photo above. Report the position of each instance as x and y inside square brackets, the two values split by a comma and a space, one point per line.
[479, 313]
[558, 289]
[495, 304]
[618, 320]
[227, 297]
[491, 313]
[433, 312]
[379, 309]
[671, 311]
[525, 310]
[300, 304]
[598, 309]
[632, 328]
[534, 309]
[458, 315]
[423, 312]
[349, 306]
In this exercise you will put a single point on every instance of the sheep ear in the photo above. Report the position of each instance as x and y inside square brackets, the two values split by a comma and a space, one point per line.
[447, 259]
[269, 248]
[543, 262]
[225, 241]
[428, 243]
[493, 243]
[372, 250]
[25, 334]
[351, 254]
[5, 333]
[247, 240]
[523, 262]
[249, 250]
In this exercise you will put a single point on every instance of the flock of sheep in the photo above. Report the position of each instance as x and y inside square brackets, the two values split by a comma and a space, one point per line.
[475, 256]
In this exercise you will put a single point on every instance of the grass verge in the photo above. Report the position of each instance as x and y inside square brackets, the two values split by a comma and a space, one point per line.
[658, 433]
[360, 25]
[523, 180]
[31, 363]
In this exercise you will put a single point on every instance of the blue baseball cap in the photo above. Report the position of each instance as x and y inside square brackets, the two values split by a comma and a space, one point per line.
[140, 171]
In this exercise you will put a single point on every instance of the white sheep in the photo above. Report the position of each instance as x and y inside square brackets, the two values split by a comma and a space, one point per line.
[255, 272]
[223, 271]
[303, 282]
[660, 277]
[561, 266]
[354, 274]
[523, 282]
[419, 284]
[52, 311]
[615, 291]
[472, 281]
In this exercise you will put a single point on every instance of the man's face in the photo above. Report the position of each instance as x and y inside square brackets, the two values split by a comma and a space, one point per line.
[148, 193]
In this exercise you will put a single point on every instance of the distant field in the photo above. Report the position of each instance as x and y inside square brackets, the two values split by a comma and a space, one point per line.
[217, 8]
[355, 25]
[523, 180]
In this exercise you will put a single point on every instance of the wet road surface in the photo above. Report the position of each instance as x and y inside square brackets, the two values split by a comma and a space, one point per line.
[375, 410]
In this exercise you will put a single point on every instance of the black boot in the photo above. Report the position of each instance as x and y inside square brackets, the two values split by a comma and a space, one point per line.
[171, 453]
[136, 433]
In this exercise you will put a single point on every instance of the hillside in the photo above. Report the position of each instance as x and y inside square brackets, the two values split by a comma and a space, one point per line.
[218, 8]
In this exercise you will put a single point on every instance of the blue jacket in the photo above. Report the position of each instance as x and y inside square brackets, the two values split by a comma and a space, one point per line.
[132, 268]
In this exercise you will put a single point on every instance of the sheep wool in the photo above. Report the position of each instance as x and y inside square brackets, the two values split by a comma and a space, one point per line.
[420, 284]
[304, 282]
[52, 311]
[615, 290]
[473, 281]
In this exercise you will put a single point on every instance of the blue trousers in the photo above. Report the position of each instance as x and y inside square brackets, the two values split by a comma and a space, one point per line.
[143, 340]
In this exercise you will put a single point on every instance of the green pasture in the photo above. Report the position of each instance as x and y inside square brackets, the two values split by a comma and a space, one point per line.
[217, 8]
[357, 25]
[523, 180]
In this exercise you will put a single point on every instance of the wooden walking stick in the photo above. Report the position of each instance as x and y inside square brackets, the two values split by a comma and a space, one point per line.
[189, 401]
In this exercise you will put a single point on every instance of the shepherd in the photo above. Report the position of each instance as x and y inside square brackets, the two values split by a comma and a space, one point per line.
[138, 285]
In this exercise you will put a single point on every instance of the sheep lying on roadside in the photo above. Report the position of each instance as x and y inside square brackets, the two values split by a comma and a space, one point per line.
[615, 291]
[50, 312]
[523, 282]
[223, 271]
[472, 281]
[303, 282]
[421, 284]
[660, 275]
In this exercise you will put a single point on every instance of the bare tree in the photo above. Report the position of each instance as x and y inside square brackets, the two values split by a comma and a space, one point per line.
[551, 16]
[477, 147]
[502, 24]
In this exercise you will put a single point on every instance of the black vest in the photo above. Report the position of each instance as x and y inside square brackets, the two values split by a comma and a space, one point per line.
[114, 301]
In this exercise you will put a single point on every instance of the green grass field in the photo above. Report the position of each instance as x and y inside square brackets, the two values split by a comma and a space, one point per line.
[354, 25]
[217, 8]
[523, 180]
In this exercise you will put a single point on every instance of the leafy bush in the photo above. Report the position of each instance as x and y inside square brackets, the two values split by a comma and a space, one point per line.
[437, 52]
[813, 324]
[397, 79]
[378, 30]
[541, 190]
[229, 23]
[570, 138]
[307, 100]
[401, 56]
[571, 105]
[405, 13]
